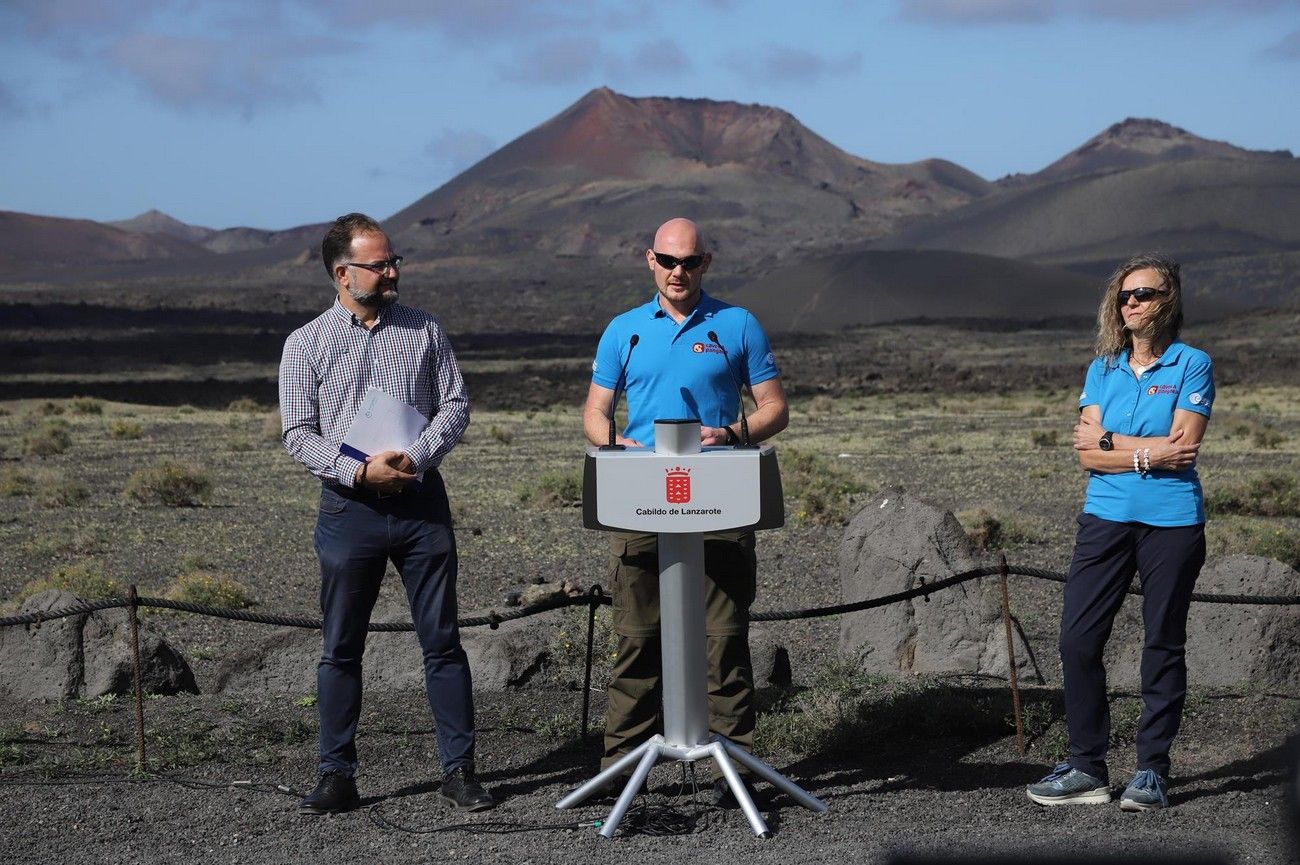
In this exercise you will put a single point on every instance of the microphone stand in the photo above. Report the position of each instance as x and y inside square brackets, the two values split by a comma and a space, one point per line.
[740, 394]
[613, 408]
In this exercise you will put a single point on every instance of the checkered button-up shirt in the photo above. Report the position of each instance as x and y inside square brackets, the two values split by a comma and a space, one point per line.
[331, 361]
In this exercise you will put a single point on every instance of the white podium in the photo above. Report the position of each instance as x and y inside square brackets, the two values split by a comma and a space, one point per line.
[681, 491]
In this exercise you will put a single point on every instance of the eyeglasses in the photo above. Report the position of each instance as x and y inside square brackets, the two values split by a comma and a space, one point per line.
[668, 262]
[379, 267]
[1142, 295]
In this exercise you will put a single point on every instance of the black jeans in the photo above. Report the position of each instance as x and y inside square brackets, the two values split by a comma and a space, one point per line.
[1106, 555]
[356, 535]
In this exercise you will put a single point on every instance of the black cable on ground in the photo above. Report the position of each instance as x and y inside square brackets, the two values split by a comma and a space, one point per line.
[192, 783]
[477, 827]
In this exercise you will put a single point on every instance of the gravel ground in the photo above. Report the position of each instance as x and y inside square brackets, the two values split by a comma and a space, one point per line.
[950, 796]
[956, 792]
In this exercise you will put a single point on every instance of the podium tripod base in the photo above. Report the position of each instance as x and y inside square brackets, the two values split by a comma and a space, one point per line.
[720, 748]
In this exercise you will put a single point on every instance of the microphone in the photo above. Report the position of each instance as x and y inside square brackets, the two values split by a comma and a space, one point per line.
[744, 421]
[613, 408]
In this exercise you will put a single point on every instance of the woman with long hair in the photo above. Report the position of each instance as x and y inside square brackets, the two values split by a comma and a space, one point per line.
[1143, 412]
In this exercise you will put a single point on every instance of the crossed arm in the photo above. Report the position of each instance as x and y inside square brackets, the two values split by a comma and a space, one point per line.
[1173, 452]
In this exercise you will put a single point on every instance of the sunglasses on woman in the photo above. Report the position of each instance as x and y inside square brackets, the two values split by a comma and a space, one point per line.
[1142, 295]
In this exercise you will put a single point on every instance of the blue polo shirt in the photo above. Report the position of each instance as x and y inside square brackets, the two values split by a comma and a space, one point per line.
[1183, 378]
[676, 371]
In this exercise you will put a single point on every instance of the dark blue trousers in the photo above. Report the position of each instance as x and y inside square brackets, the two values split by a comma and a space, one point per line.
[1106, 555]
[356, 535]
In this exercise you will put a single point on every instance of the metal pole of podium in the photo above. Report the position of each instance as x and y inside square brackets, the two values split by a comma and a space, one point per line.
[681, 611]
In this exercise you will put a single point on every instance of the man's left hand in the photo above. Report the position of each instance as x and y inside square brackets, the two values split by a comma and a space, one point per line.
[713, 435]
[389, 472]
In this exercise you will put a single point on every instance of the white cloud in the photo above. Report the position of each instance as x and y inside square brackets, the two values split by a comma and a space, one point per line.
[778, 64]
[981, 12]
[454, 150]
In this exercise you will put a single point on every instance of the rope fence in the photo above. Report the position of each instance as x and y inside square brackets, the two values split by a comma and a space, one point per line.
[592, 599]
[596, 595]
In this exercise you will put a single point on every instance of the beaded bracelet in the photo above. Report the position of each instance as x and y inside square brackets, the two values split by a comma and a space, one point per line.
[1146, 461]
[1137, 466]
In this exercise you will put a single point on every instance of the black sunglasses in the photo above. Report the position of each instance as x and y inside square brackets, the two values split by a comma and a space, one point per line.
[379, 267]
[1142, 294]
[668, 262]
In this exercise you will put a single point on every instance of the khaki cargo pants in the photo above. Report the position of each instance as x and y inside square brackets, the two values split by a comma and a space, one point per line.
[635, 701]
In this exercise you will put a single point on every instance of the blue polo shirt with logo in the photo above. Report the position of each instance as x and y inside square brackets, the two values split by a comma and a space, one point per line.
[675, 370]
[1183, 378]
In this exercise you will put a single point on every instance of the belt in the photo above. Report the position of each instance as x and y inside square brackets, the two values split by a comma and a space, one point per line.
[361, 494]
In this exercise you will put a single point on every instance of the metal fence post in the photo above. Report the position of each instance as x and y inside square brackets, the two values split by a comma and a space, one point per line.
[1011, 653]
[141, 759]
[593, 601]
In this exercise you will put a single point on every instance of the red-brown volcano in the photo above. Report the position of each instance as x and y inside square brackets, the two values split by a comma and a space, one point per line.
[601, 175]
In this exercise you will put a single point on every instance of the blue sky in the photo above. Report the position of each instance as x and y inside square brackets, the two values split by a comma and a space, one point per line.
[281, 112]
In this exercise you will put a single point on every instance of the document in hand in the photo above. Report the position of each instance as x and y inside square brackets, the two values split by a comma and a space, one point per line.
[382, 424]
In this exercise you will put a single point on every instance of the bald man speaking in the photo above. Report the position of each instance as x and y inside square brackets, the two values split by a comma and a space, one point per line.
[675, 369]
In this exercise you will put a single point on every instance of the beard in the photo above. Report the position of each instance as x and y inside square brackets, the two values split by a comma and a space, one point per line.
[382, 296]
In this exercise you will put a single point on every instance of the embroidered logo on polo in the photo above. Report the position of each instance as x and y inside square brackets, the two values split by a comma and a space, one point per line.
[1156, 389]
[1197, 399]
[677, 486]
[705, 347]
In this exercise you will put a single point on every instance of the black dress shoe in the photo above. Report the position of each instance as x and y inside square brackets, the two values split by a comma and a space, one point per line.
[724, 798]
[462, 789]
[334, 794]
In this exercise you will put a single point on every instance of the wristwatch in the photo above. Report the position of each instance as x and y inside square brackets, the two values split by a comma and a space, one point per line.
[732, 438]
[1105, 442]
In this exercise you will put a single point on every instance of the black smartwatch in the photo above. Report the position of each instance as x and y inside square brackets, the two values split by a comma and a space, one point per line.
[1105, 442]
[732, 438]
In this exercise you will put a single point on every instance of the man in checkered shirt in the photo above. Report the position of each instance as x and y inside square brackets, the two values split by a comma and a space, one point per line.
[391, 506]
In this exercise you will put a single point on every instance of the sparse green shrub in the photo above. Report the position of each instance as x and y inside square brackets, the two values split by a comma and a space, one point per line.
[50, 438]
[1275, 494]
[560, 727]
[15, 483]
[61, 543]
[566, 656]
[499, 434]
[49, 409]
[822, 490]
[64, 494]
[86, 405]
[1045, 438]
[1253, 537]
[821, 405]
[1267, 438]
[201, 587]
[125, 430]
[554, 490]
[169, 483]
[273, 426]
[85, 579]
[990, 530]
[186, 409]
[246, 404]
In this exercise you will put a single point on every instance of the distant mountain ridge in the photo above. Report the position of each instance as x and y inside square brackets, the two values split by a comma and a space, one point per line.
[561, 215]
[219, 240]
[599, 176]
[1135, 142]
